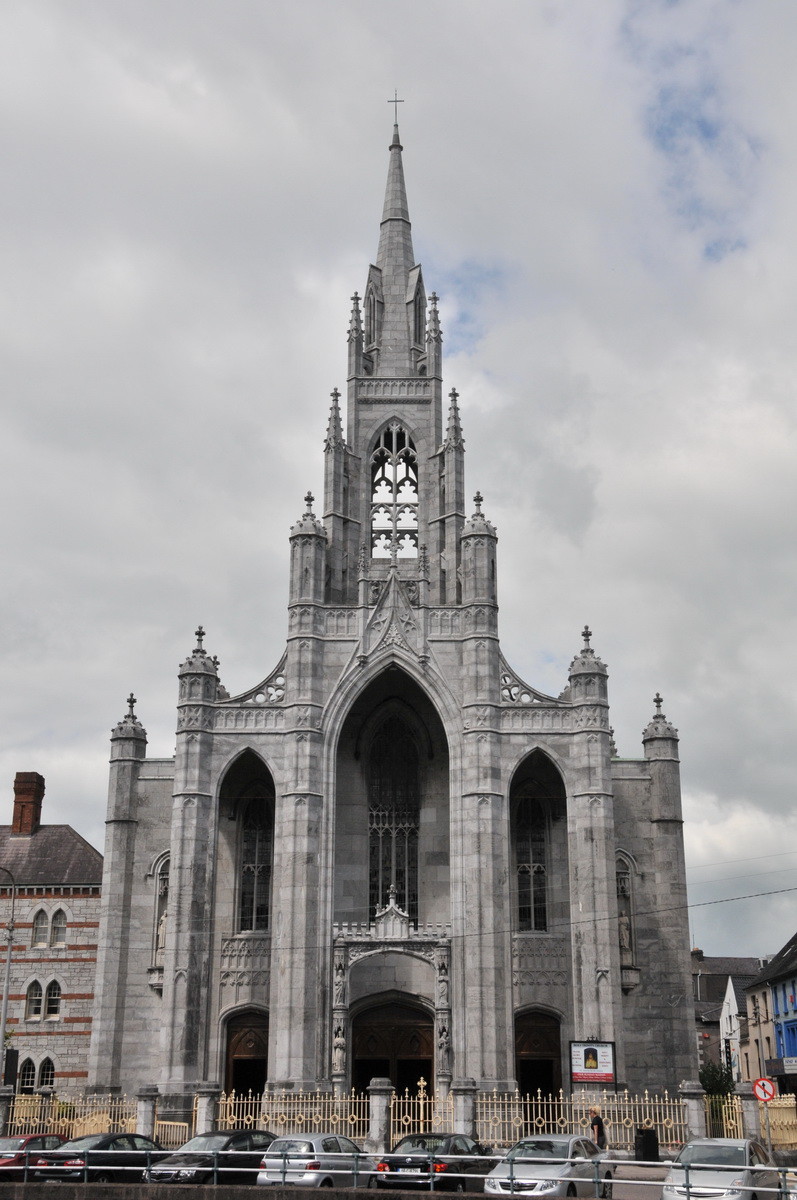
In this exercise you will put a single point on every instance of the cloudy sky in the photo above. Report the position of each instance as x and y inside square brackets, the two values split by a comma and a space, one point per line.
[603, 195]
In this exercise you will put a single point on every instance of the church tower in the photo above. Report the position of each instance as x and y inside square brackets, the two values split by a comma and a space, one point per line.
[392, 857]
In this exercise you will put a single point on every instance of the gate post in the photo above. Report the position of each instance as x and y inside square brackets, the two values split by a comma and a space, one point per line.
[6, 1101]
[207, 1103]
[693, 1096]
[146, 1100]
[751, 1113]
[379, 1094]
[464, 1093]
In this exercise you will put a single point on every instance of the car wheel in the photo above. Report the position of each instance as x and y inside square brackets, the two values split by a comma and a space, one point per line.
[326, 1183]
[571, 1189]
[606, 1192]
[460, 1187]
[103, 1177]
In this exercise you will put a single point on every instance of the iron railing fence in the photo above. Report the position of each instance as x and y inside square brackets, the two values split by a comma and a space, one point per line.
[316, 1112]
[504, 1117]
[71, 1115]
[420, 1112]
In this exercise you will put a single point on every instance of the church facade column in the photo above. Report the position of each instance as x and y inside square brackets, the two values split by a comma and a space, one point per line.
[597, 995]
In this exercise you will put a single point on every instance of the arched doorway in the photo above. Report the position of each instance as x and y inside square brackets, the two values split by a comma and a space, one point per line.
[247, 1052]
[538, 1053]
[395, 1042]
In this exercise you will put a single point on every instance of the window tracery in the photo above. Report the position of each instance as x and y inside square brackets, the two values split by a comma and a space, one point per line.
[393, 819]
[394, 494]
[257, 854]
[531, 865]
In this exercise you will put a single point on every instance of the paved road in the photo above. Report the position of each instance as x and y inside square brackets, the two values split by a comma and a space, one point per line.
[633, 1182]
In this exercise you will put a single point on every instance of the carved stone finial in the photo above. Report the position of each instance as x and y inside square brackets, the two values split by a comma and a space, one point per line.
[658, 701]
[453, 395]
[131, 707]
[335, 394]
[309, 498]
[394, 549]
[199, 635]
[586, 633]
[478, 500]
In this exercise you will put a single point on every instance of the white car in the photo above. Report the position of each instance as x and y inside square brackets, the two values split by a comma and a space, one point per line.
[710, 1168]
[555, 1165]
[317, 1160]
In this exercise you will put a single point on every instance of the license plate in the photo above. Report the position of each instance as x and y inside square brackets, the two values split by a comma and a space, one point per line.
[409, 1171]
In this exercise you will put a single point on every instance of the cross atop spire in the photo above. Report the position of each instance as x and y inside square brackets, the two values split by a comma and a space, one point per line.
[395, 102]
[199, 635]
[586, 633]
[658, 701]
[131, 707]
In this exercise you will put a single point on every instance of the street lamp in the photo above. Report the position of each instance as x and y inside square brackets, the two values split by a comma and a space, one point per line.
[4, 1009]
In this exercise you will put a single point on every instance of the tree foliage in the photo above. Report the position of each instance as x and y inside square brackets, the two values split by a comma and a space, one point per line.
[717, 1080]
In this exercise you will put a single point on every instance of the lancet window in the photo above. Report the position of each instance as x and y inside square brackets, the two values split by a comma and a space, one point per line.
[531, 865]
[393, 818]
[394, 494]
[257, 853]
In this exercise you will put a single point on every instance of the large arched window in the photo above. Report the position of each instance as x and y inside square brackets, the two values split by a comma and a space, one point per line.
[393, 817]
[33, 1001]
[537, 807]
[41, 929]
[257, 853]
[246, 797]
[58, 928]
[394, 494]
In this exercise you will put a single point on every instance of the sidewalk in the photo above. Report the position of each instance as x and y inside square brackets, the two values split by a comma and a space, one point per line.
[636, 1181]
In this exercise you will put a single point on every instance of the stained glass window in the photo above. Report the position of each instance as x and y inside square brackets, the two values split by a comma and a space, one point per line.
[394, 494]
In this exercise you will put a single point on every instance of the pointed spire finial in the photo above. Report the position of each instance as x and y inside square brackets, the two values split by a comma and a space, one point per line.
[199, 635]
[131, 707]
[308, 499]
[586, 633]
[658, 701]
[395, 102]
[478, 500]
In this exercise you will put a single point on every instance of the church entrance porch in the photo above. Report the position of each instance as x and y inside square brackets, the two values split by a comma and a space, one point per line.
[395, 1042]
[538, 1053]
[247, 1053]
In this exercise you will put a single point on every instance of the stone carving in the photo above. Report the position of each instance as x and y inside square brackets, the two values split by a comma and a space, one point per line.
[443, 1050]
[338, 1051]
[340, 981]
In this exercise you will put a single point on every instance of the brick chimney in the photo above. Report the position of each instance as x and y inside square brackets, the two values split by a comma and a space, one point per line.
[28, 795]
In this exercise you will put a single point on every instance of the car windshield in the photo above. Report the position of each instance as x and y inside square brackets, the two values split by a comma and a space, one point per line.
[290, 1146]
[713, 1154]
[84, 1143]
[205, 1142]
[418, 1141]
[11, 1145]
[540, 1148]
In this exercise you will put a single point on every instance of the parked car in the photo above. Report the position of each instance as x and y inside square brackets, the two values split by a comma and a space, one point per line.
[15, 1152]
[226, 1155]
[98, 1157]
[456, 1163]
[735, 1167]
[556, 1165]
[318, 1160]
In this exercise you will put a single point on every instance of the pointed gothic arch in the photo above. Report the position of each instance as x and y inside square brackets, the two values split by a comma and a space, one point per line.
[392, 804]
[246, 799]
[393, 1038]
[538, 1052]
[394, 492]
[246, 1059]
[537, 807]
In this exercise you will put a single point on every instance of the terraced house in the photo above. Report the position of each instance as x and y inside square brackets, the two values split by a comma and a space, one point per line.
[50, 881]
[391, 856]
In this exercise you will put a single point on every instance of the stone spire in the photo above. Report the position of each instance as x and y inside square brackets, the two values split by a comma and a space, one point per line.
[454, 431]
[395, 302]
[334, 438]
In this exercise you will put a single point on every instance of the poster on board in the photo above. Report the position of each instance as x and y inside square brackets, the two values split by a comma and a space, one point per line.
[592, 1062]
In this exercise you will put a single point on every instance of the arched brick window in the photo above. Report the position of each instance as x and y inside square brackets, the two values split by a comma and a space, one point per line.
[41, 929]
[33, 1001]
[58, 928]
[52, 999]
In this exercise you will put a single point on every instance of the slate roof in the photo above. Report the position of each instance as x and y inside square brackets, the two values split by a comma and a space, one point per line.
[53, 856]
[780, 965]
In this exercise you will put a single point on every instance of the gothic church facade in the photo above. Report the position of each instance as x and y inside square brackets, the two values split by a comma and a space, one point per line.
[392, 857]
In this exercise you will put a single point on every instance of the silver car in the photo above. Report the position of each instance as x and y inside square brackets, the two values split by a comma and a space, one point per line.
[736, 1168]
[317, 1160]
[556, 1165]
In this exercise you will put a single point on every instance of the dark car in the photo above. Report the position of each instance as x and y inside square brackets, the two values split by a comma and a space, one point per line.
[99, 1158]
[449, 1162]
[17, 1152]
[221, 1155]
